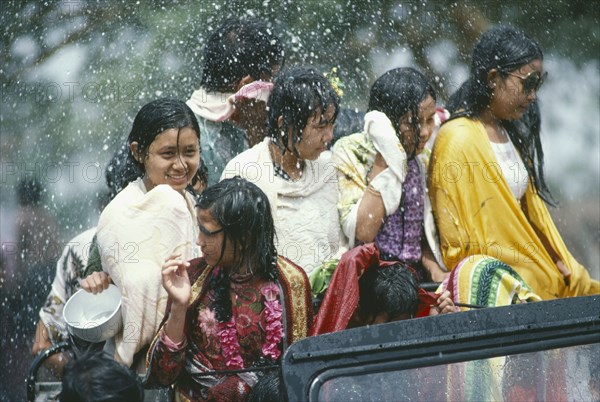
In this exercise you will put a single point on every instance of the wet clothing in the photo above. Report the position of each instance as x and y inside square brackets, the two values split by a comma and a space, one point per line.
[221, 142]
[137, 231]
[342, 296]
[306, 220]
[202, 350]
[399, 237]
[408, 211]
[477, 213]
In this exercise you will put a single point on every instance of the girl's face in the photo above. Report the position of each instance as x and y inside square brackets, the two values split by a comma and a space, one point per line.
[211, 238]
[169, 160]
[317, 134]
[426, 125]
[511, 95]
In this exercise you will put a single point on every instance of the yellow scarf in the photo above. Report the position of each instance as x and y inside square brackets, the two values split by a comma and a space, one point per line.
[476, 213]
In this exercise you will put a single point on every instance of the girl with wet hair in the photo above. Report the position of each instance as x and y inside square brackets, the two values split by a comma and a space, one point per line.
[293, 167]
[487, 184]
[149, 219]
[381, 174]
[235, 308]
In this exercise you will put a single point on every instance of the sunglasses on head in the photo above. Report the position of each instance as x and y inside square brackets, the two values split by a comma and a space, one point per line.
[532, 81]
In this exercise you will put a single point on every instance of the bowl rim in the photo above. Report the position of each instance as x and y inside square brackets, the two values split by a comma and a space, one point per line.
[115, 311]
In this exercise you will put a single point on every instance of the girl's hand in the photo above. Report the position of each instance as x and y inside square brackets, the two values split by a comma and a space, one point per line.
[379, 165]
[96, 282]
[444, 305]
[176, 281]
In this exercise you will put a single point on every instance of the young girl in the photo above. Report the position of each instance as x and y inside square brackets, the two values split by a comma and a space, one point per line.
[487, 185]
[235, 308]
[381, 180]
[293, 167]
[149, 219]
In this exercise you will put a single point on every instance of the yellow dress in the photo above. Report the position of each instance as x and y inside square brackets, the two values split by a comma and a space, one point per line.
[476, 213]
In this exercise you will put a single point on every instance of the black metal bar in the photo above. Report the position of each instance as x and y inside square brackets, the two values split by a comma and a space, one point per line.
[37, 363]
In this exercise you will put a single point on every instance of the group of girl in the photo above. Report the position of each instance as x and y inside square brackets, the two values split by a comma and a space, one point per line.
[234, 302]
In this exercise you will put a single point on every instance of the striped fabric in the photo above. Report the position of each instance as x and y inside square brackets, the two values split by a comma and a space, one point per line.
[488, 282]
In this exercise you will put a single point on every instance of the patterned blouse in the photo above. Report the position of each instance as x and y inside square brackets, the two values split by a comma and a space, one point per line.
[69, 271]
[204, 348]
[189, 364]
[399, 238]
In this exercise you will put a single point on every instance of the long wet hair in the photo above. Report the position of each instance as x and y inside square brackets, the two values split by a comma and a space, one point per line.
[505, 49]
[298, 94]
[237, 48]
[152, 119]
[398, 92]
[244, 212]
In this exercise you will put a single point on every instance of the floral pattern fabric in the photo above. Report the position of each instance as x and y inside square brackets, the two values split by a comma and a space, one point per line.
[69, 270]
[399, 238]
[253, 336]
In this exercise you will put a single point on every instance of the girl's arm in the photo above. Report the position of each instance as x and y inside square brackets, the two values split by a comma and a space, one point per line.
[371, 210]
[433, 269]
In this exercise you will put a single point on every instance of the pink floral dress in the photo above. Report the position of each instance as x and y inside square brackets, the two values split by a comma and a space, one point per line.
[210, 345]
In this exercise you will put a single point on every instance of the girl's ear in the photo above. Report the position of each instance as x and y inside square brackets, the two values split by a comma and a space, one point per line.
[134, 147]
[492, 78]
[280, 121]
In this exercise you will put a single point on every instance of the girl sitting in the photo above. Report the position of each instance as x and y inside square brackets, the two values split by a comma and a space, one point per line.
[235, 308]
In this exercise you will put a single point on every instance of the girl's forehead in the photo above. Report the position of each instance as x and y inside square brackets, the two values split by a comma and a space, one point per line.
[320, 115]
[172, 136]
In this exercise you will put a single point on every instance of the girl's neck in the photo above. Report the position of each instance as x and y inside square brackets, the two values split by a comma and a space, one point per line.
[493, 126]
[290, 164]
[488, 118]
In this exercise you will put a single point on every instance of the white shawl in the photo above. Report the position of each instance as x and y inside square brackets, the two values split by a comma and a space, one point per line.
[304, 211]
[137, 231]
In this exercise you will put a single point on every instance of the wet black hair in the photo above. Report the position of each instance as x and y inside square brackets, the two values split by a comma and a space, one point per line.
[118, 172]
[237, 48]
[201, 177]
[349, 121]
[398, 92]
[152, 119]
[393, 290]
[298, 94]
[244, 212]
[95, 376]
[505, 49]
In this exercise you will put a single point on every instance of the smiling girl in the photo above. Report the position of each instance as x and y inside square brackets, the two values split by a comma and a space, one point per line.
[149, 219]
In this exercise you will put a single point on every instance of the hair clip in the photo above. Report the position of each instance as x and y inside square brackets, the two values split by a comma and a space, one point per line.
[335, 82]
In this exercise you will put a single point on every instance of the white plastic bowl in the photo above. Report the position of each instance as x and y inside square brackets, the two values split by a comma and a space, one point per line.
[94, 317]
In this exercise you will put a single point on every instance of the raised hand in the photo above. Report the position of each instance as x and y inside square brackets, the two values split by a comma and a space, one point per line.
[176, 281]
